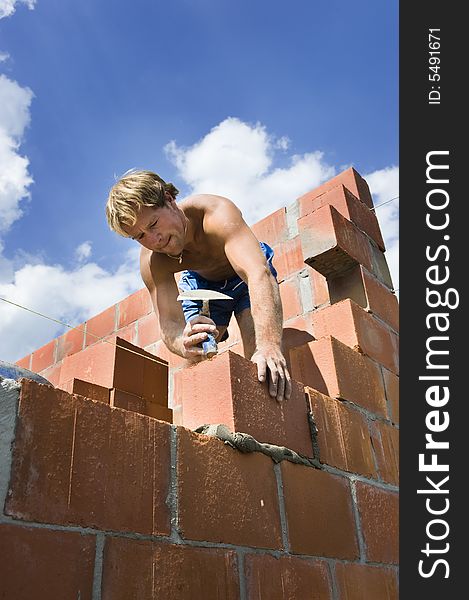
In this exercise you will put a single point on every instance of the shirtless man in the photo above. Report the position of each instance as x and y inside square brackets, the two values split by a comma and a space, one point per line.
[206, 237]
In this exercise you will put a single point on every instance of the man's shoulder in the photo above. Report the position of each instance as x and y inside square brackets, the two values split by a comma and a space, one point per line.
[206, 202]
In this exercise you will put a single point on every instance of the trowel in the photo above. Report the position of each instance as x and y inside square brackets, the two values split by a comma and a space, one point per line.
[209, 345]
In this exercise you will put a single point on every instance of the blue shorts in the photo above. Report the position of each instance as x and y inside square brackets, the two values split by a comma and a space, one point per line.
[220, 310]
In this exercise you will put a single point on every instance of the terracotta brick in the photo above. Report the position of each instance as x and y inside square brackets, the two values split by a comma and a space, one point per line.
[143, 569]
[155, 381]
[129, 333]
[331, 243]
[148, 330]
[224, 495]
[70, 342]
[386, 444]
[350, 179]
[121, 399]
[348, 206]
[24, 362]
[94, 364]
[286, 578]
[226, 390]
[36, 563]
[296, 332]
[44, 357]
[127, 401]
[119, 364]
[134, 307]
[380, 267]
[159, 412]
[391, 386]
[288, 258]
[318, 286]
[364, 289]
[291, 301]
[353, 326]
[379, 510]
[272, 229]
[81, 462]
[52, 374]
[319, 513]
[343, 435]
[336, 370]
[361, 582]
[101, 325]
[90, 390]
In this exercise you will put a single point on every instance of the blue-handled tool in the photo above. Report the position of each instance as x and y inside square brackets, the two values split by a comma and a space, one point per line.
[209, 345]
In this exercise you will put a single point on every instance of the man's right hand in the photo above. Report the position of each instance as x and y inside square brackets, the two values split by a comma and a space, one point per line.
[195, 332]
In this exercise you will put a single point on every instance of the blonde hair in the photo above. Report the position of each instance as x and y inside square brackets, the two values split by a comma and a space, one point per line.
[134, 190]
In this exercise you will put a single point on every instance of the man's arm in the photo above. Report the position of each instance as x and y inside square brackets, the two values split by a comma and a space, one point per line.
[243, 251]
[179, 337]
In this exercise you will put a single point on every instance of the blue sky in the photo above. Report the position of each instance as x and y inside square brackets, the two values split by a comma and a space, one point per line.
[258, 100]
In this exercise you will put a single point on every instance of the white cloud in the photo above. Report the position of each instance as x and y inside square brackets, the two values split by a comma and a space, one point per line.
[384, 185]
[69, 296]
[8, 7]
[83, 251]
[14, 176]
[4, 56]
[236, 160]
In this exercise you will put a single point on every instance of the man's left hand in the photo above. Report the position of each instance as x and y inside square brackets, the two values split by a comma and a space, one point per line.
[270, 359]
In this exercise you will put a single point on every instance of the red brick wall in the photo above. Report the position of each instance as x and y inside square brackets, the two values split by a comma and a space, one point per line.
[148, 509]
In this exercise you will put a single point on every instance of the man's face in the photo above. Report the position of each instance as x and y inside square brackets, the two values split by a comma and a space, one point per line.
[160, 229]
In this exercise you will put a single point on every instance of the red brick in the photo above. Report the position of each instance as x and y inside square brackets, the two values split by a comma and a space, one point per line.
[24, 362]
[159, 412]
[318, 286]
[148, 330]
[226, 390]
[129, 333]
[155, 381]
[286, 578]
[143, 569]
[380, 267]
[90, 390]
[37, 563]
[364, 289]
[350, 179]
[296, 332]
[101, 325]
[44, 357]
[336, 370]
[272, 229]
[94, 364]
[331, 243]
[224, 495]
[353, 326]
[70, 342]
[391, 386]
[122, 366]
[343, 436]
[134, 307]
[52, 374]
[81, 462]
[349, 206]
[288, 258]
[291, 301]
[386, 444]
[319, 512]
[127, 401]
[379, 516]
[361, 582]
